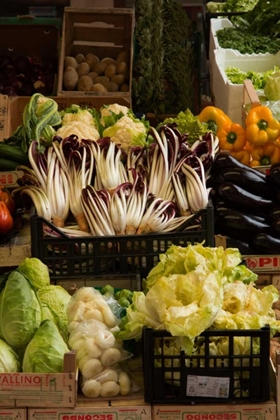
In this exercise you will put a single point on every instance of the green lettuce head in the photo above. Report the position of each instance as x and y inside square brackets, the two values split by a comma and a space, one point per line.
[20, 311]
[9, 361]
[45, 352]
[35, 271]
[272, 87]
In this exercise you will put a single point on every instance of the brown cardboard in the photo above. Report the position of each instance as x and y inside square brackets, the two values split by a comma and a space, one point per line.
[13, 413]
[253, 411]
[40, 390]
[96, 410]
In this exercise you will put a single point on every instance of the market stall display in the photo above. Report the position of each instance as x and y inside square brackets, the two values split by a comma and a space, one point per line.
[113, 195]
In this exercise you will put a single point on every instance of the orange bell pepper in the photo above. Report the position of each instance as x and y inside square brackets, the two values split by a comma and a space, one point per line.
[214, 117]
[265, 155]
[261, 126]
[242, 156]
[231, 137]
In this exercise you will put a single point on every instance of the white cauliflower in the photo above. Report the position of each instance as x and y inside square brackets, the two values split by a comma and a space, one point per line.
[107, 110]
[80, 123]
[83, 116]
[127, 132]
[80, 129]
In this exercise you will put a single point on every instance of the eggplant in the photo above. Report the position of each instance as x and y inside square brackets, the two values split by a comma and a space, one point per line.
[266, 243]
[250, 181]
[225, 161]
[246, 200]
[243, 247]
[226, 212]
[274, 174]
[244, 222]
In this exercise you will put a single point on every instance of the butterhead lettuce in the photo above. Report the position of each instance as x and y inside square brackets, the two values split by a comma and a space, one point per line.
[198, 288]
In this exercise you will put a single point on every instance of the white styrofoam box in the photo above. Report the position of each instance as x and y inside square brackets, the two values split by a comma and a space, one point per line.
[229, 96]
[215, 25]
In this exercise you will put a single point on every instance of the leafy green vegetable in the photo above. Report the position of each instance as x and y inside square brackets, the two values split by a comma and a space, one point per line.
[256, 31]
[188, 124]
[108, 290]
[231, 6]
[35, 271]
[259, 79]
[246, 43]
[196, 288]
[45, 352]
[9, 361]
[20, 311]
[56, 298]
[272, 87]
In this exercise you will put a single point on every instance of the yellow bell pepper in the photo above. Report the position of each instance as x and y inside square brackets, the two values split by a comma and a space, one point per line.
[231, 137]
[242, 156]
[261, 126]
[214, 117]
[265, 155]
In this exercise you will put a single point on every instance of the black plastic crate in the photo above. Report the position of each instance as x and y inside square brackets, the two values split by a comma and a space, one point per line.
[96, 256]
[182, 379]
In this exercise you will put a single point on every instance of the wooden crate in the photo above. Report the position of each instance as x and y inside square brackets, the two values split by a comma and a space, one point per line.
[4, 121]
[102, 32]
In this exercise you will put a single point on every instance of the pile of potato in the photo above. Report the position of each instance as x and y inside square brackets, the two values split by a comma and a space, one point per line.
[89, 73]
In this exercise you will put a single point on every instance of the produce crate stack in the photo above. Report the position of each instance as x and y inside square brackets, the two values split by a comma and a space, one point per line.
[102, 41]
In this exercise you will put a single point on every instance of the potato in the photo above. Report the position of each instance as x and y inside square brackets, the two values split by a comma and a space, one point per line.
[70, 62]
[104, 80]
[110, 71]
[70, 78]
[83, 69]
[85, 83]
[124, 87]
[80, 58]
[122, 68]
[93, 75]
[123, 56]
[119, 79]
[92, 60]
[112, 87]
[100, 68]
[98, 87]
[108, 61]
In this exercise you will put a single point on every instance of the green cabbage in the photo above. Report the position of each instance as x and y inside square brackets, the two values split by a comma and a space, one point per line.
[54, 300]
[45, 352]
[20, 311]
[9, 361]
[35, 271]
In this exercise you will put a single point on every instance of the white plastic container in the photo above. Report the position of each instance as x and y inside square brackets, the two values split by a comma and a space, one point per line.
[229, 96]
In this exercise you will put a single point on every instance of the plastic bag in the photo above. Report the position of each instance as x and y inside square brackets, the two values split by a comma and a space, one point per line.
[91, 325]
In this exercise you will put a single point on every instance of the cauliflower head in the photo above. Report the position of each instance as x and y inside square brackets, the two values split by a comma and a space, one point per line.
[82, 116]
[109, 114]
[80, 129]
[127, 132]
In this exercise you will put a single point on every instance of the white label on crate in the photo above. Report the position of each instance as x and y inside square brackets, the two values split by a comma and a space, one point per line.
[207, 386]
[263, 263]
